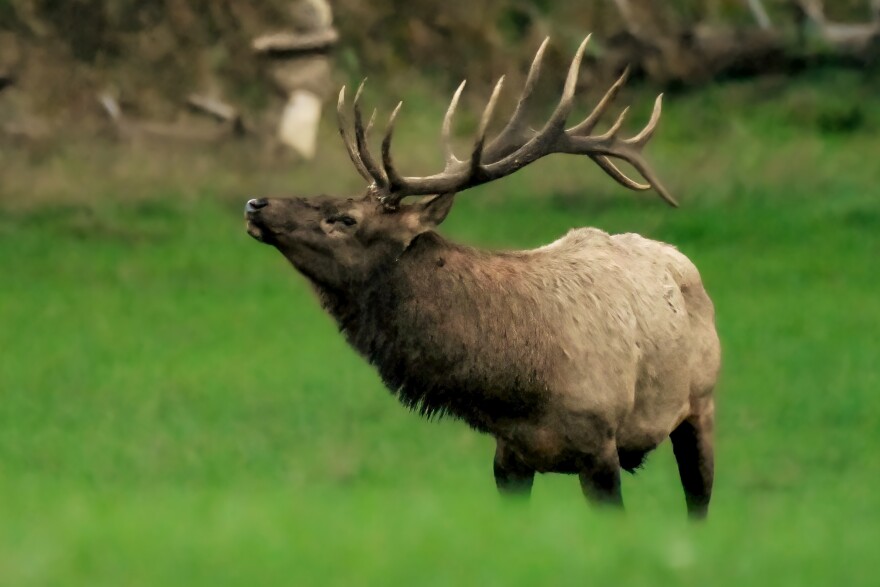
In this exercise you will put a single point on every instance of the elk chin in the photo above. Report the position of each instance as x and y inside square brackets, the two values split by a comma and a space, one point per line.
[255, 231]
[259, 229]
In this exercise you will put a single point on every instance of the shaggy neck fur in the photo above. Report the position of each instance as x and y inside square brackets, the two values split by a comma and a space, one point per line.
[436, 320]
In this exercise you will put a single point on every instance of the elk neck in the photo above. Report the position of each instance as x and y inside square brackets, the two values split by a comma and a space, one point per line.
[434, 321]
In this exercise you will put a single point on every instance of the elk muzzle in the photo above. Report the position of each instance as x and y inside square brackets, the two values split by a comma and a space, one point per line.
[279, 220]
[252, 216]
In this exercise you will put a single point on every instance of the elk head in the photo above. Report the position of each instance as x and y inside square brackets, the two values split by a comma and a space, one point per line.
[339, 243]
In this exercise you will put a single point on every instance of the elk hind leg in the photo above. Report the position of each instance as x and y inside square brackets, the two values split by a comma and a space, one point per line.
[694, 451]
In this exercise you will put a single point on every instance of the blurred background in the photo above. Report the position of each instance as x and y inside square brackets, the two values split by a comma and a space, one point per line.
[175, 408]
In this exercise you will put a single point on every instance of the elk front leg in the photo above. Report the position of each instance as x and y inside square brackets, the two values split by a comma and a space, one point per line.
[695, 454]
[600, 478]
[512, 476]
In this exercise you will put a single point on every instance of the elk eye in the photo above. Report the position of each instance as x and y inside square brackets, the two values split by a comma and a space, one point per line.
[347, 220]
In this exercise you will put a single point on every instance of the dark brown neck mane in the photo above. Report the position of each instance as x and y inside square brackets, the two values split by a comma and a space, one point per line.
[429, 321]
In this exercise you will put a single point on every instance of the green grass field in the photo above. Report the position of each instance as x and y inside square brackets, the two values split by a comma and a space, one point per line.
[175, 409]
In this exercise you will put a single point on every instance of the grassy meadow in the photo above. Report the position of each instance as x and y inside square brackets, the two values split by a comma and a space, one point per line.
[175, 409]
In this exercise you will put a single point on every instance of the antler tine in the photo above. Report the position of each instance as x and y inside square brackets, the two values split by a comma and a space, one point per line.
[446, 131]
[342, 121]
[395, 180]
[480, 140]
[638, 162]
[360, 135]
[608, 166]
[641, 139]
[615, 128]
[590, 122]
[513, 129]
[566, 102]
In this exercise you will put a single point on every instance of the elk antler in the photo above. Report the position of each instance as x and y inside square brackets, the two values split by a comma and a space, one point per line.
[513, 148]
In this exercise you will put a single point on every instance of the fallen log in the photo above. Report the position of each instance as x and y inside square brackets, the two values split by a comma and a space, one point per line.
[131, 130]
[677, 54]
[696, 56]
[214, 108]
[858, 40]
[287, 43]
[218, 110]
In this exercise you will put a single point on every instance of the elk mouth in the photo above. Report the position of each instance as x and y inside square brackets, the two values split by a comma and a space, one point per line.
[255, 231]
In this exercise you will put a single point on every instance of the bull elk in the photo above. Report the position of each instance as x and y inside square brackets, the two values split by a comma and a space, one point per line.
[579, 357]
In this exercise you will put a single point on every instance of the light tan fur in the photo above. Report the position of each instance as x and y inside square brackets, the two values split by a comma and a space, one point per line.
[622, 325]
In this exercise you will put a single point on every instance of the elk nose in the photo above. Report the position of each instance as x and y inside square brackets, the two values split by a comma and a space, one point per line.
[255, 204]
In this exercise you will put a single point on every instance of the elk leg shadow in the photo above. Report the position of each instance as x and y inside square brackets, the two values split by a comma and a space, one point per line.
[694, 452]
[512, 476]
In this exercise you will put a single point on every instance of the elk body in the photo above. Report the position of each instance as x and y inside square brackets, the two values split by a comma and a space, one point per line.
[578, 357]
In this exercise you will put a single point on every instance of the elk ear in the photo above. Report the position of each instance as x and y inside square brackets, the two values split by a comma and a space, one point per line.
[435, 210]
